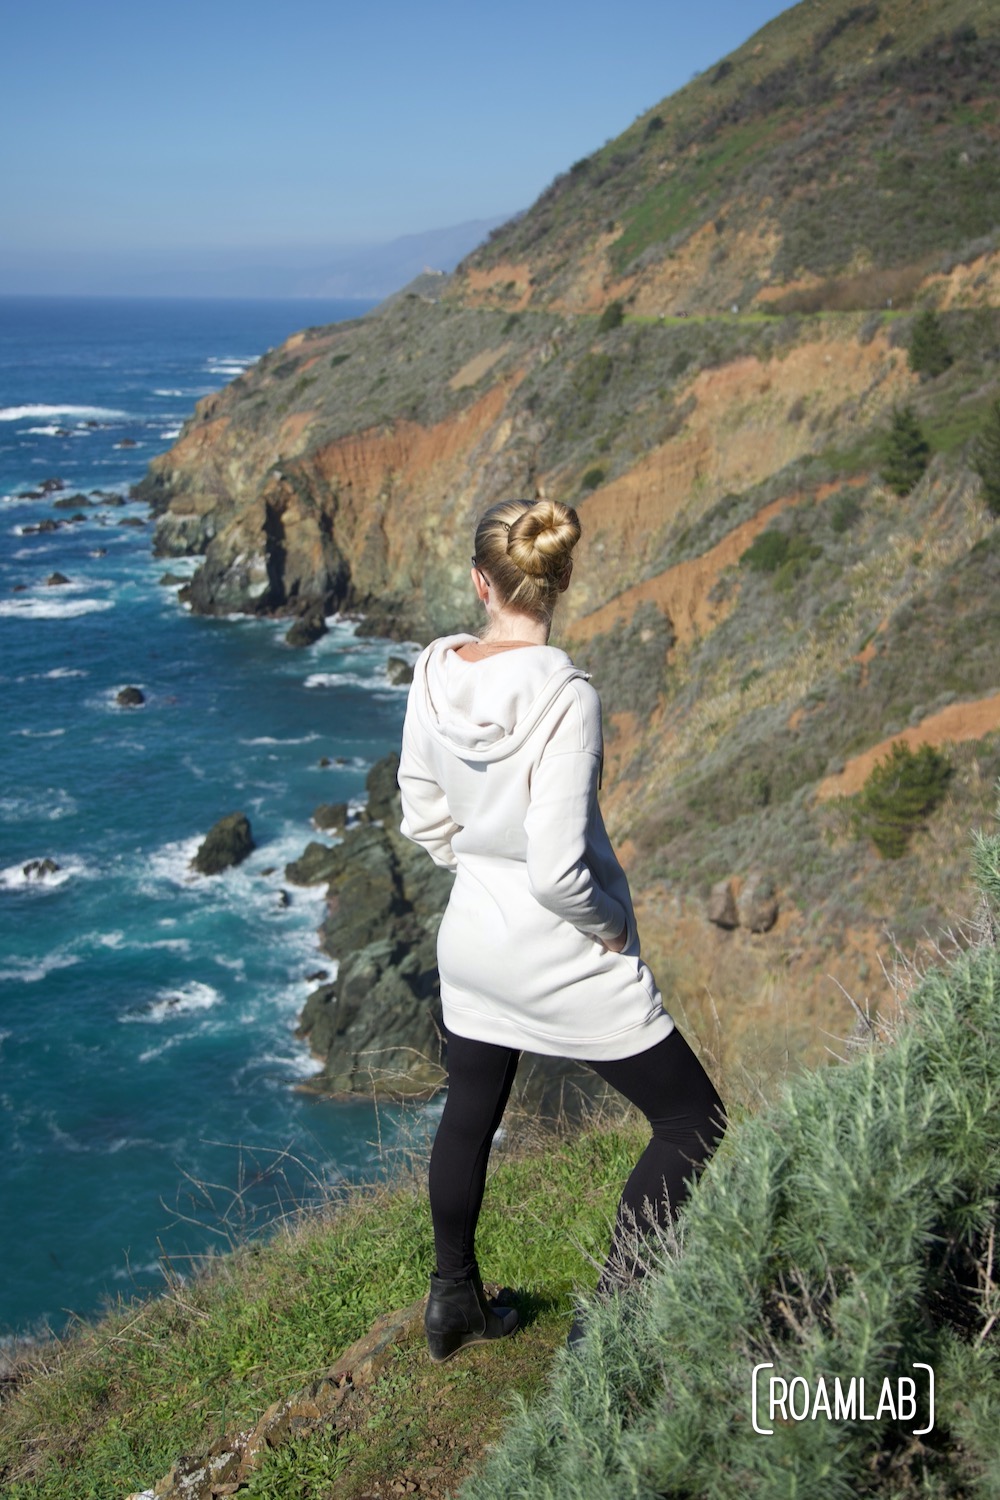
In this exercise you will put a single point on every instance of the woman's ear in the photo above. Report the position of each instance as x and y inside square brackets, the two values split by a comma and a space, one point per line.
[564, 580]
[481, 587]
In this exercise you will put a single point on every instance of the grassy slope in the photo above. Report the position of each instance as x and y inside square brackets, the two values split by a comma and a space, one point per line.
[829, 126]
[848, 1230]
[110, 1410]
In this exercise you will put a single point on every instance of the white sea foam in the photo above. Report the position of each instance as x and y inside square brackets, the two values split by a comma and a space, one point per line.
[337, 679]
[48, 431]
[185, 1000]
[171, 393]
[30, 971]
[169, 433]
[39, 734]
[58, 672]
[48, 802]
[173, 862]
[267, 739]
[33, 608]
[39, 413]
[236, 966]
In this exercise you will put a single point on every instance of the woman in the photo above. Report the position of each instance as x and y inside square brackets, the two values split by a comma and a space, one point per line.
[538, 948]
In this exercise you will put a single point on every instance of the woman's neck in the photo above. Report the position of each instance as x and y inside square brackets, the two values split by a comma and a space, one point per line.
[510, 625]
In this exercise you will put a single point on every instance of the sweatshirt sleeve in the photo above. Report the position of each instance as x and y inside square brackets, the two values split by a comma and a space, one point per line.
[426, 819]
[561, 814]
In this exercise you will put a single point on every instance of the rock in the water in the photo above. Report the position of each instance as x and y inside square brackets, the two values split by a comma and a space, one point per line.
[40, 869]
[126, 443]
[722, 905]
[71, 502]
[758, 905]
[398, 671]
[171, 580]
[227, 843]
[56, 580]
[306, 630]
[331, 817]
[130, 697]
[317, 863]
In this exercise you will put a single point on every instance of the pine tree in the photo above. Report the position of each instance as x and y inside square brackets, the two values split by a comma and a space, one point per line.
[986, 459]
[900, 792]
[907, 451]
[929, 353]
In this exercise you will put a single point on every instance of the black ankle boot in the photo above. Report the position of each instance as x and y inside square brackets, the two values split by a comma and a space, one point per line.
[458, 1314]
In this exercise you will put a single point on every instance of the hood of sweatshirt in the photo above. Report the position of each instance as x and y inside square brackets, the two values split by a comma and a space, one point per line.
[485, 710]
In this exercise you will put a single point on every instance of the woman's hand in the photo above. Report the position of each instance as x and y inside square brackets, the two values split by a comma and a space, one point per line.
[617, 944]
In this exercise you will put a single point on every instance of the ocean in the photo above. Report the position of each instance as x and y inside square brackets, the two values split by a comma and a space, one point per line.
[148, 1063]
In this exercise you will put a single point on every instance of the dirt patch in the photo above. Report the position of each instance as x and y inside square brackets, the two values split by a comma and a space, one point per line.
[974, 285]
[737, 435]
[508, 284]
[293, 429]
[684, 592]
[479, 365]
[959, 721]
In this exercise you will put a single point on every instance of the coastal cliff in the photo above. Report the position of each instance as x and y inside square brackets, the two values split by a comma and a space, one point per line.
[700, 336]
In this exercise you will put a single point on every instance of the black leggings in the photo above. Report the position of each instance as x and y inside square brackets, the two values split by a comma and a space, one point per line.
[666, 1082]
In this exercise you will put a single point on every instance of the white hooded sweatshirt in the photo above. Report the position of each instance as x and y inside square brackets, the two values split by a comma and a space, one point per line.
[499, 773]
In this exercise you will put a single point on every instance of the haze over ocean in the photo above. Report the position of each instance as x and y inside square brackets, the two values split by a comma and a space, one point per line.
[147, 1015]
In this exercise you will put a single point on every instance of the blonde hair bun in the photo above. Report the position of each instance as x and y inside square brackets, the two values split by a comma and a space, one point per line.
[542, 539]
[523, 547]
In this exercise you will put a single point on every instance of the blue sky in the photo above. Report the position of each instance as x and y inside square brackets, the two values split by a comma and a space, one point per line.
[234, 124]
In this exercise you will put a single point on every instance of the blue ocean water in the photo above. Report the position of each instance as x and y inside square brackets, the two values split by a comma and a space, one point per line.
[147, 1058]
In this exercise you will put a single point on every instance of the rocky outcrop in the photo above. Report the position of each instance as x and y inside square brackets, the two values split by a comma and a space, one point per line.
[754, 906]
[130, 697]
[227, 843]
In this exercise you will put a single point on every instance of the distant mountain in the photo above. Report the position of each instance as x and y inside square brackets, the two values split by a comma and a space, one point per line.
[361, 271]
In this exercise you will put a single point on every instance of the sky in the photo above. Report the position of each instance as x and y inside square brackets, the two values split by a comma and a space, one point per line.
[238, 127]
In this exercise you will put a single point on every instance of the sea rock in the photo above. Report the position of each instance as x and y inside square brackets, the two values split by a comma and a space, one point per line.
[330, 817]
[126, 443]
[52, 486]
[40, 869]
[305, 631]
[130, 697]
[227, 843]
[399, 671]
[316, 864]
[108, 497]
[133, 521]
[56, 580]
[757, 904]
[172, 580]
[72, 502]
[722, 905]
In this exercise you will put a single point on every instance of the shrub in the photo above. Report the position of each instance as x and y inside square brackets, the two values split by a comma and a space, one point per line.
[907, 452]
[846, 1231]
[986, 459]
[592, 478]
[928, 352]
[766, 553]
[900, 792]
[844, 511]
[613, 316]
